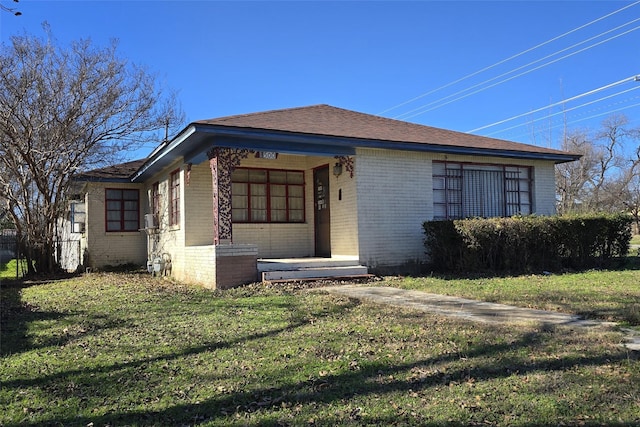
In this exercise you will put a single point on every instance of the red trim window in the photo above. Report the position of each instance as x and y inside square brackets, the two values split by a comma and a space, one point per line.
[122, 209]
[174, 198]
[267, 195]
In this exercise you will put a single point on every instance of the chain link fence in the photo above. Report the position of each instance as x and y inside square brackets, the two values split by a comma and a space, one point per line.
[9, 252]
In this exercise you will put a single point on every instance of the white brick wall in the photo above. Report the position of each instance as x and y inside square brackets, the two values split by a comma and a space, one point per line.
[378, 217]
[344, 212]
[170, 240]
[198, 206]
[199, 266]
[112, 248]
[395, 198]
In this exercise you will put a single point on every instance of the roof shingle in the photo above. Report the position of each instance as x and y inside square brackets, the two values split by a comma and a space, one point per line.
[117, 172]
[332, 121]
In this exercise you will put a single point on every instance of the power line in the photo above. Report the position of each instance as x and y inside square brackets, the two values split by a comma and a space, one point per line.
[423, 108]
[509, 58]
[564, 111]
[520, 74]
[583, 118]
[573, 98]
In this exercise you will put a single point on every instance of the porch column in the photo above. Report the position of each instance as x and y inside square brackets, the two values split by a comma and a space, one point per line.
[222, 162]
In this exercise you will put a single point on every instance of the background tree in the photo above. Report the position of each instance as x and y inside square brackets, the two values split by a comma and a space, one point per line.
[572, 178]
[603, 179]
[4, 8]
[63, 110]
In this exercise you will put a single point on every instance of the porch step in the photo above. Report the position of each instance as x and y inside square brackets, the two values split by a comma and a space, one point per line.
[306, 273]
[282, 269]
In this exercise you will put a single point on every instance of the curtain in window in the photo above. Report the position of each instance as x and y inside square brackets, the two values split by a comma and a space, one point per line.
[258, 202]
[462, 190]
[483, 193]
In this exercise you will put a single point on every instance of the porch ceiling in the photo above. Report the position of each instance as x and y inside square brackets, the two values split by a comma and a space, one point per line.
[196, 140]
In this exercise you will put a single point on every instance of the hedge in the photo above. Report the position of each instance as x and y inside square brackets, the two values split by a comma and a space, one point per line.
[527, 244]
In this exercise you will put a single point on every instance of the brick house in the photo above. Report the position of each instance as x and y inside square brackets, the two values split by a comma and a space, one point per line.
[344, 191]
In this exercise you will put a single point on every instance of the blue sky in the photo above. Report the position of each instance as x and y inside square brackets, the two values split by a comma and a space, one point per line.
[422, 57]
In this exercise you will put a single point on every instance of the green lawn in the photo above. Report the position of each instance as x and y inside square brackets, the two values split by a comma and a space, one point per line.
[597, 294]
[635, 240]
[11, 271]
[116, 349]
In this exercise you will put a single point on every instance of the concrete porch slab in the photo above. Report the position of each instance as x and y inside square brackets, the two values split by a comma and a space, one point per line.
[309, 268]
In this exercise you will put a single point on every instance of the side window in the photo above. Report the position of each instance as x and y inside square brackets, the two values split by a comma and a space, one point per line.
[464, 190]
[122, 208]
[174, 198]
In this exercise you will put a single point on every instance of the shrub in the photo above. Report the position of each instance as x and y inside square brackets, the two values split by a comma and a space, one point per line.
[526, 244]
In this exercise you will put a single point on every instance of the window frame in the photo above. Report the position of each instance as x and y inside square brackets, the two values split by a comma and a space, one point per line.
[155, 200]
[270, 186]
[511, 200]
[122, 210]
[76, 215]
[174, 198]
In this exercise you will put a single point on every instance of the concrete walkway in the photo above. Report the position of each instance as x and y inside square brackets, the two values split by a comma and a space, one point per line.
[471, 309]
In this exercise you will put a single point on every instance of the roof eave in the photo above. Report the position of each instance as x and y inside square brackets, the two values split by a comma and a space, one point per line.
[352, 143]
[100, 179]
[159, 157]
[197, 138]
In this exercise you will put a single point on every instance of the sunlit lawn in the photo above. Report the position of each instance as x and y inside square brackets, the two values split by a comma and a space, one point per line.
[109, 349]
[11, 270]
[609, 295]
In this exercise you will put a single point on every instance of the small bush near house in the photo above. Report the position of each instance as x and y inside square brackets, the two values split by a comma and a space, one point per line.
[526, 244]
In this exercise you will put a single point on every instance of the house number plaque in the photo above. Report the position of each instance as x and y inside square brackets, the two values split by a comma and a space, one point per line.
[269, 155]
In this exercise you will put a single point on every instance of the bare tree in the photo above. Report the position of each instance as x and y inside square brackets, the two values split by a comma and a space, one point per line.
[602, 180]
[63, 110]
[572, 178]
[4, 8]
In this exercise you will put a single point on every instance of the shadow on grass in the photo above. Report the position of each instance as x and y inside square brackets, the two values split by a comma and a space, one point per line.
[371, 378]
[15, 316]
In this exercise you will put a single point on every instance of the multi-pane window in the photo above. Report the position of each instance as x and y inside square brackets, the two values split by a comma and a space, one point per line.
[464, 190]
[174, 198]
[266, 195]
[122, 209]
[77, 216]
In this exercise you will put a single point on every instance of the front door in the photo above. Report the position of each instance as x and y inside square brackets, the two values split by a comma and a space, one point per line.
[322, 213]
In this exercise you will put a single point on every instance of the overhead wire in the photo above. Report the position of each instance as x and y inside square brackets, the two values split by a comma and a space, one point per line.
[509, 58]
[580, 119]
[564, 101]
[424, 108]
[563, 111]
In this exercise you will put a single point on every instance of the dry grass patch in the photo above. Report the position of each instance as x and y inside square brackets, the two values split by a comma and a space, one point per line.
[130, 350]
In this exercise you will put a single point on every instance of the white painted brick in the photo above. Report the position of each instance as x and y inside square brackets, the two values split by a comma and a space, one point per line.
[394, 191]
[111, 248]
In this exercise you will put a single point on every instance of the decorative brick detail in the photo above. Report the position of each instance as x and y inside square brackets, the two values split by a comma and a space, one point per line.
[223, 161]
[236, 265]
